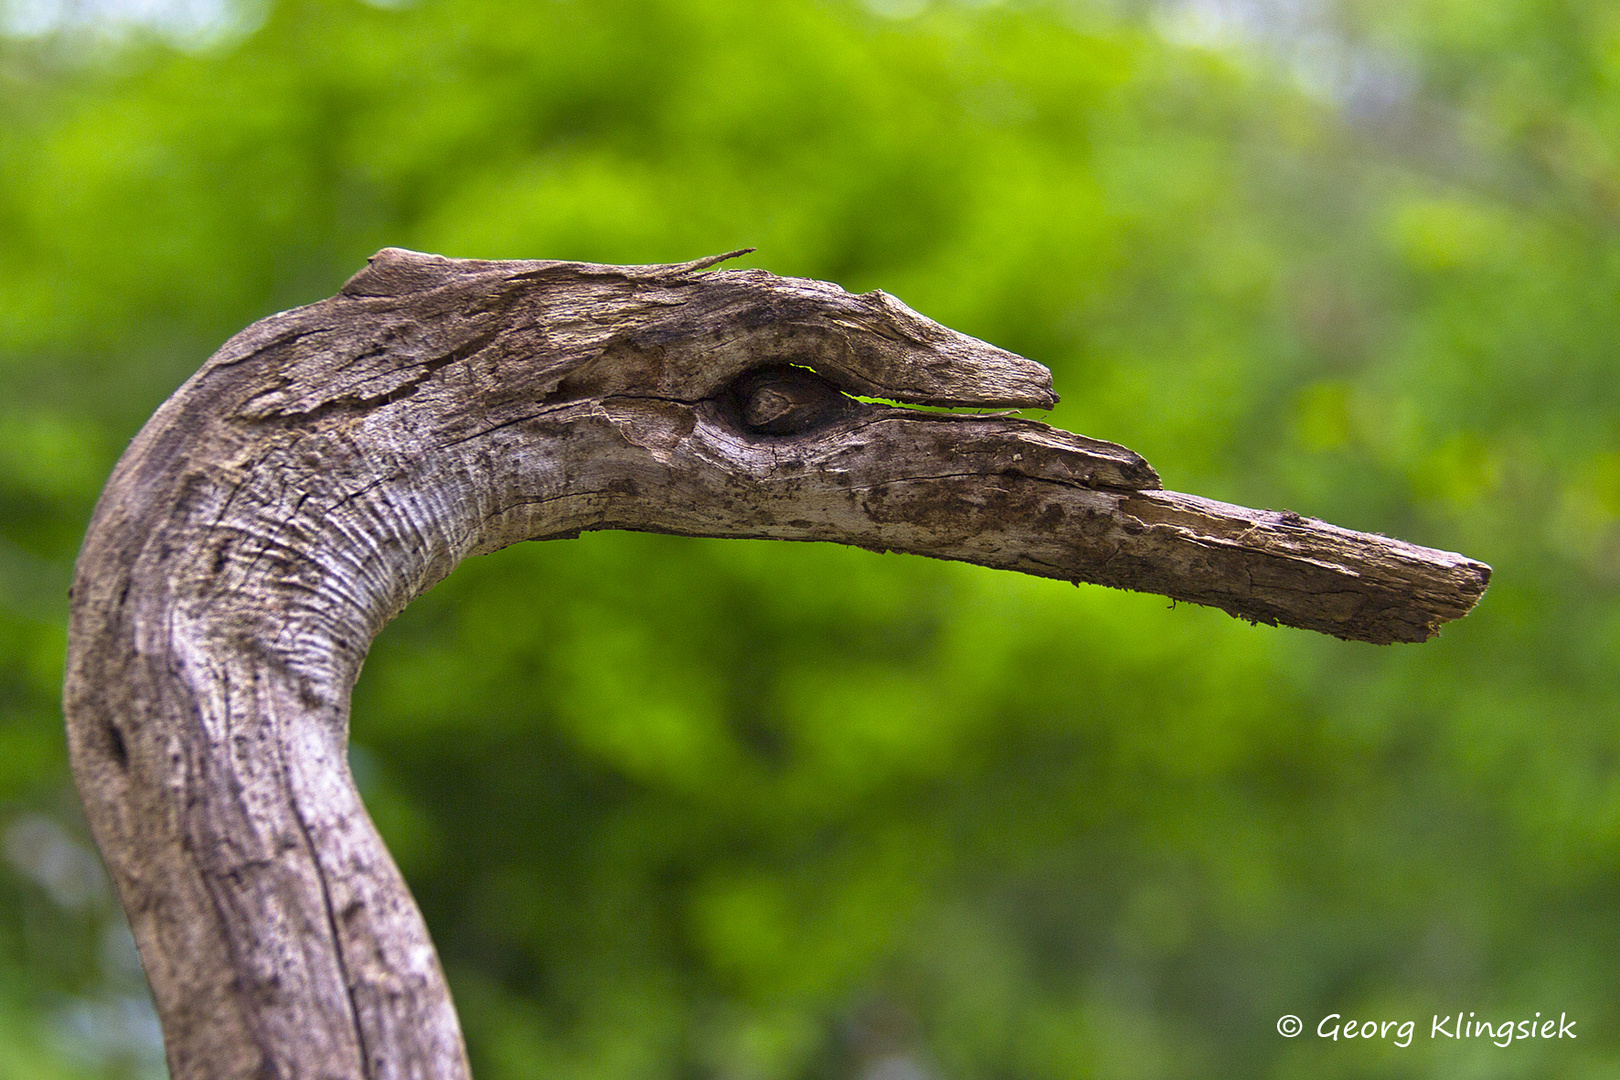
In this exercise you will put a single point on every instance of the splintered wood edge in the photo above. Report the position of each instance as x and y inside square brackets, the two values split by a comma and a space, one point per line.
[1280, 567]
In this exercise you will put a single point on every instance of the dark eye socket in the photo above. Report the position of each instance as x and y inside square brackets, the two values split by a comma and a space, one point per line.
[783, 400]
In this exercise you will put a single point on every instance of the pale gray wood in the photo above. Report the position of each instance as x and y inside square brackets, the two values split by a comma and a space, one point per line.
[330, 463]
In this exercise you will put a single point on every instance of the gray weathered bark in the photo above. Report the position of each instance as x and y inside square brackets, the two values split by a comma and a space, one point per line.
[330, 463]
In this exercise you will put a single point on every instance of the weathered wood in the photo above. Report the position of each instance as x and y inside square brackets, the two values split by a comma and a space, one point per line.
[330, 463]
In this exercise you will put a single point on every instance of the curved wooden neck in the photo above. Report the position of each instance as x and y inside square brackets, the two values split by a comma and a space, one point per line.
[222, 608]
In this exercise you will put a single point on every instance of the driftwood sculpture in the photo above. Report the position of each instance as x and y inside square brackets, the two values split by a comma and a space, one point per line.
[330, 463]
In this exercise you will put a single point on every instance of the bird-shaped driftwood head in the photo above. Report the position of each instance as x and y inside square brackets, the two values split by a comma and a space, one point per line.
[332, 462]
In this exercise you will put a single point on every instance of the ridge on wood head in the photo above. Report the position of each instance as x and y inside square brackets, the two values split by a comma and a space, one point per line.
[674, 331]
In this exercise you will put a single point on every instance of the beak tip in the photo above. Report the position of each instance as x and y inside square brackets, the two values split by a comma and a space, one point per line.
[1033, 387]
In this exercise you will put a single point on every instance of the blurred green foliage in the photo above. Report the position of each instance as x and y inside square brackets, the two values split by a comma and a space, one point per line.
[745, 810]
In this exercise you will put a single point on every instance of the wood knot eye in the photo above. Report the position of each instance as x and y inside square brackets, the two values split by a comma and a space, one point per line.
[787, 400]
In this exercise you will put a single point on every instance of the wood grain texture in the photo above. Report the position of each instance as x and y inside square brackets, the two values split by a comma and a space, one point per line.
[330, 463]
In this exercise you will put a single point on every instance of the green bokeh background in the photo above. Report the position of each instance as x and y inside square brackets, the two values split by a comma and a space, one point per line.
[690, 809]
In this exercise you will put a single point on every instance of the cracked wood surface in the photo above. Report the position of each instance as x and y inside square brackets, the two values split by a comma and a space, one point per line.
[330, 463]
